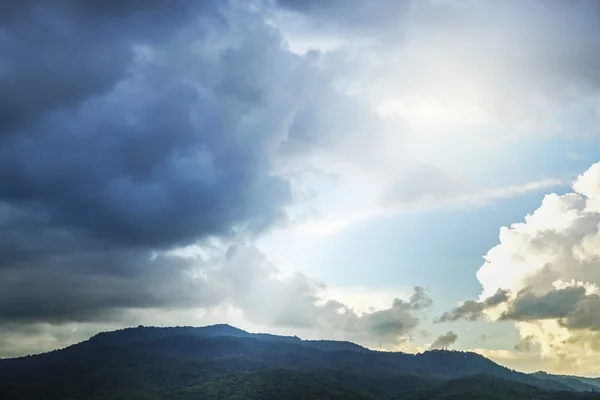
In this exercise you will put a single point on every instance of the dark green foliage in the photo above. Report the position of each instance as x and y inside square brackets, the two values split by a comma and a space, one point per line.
[270, 385]
[578, 383]
[487, 387]
[222, 362]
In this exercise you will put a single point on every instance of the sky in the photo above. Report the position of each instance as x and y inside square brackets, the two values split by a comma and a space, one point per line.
[404, 174]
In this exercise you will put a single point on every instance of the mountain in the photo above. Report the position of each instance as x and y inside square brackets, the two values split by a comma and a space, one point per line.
[576, 382]
[270, 385]
[493, 388]
[590, 381]
[152, 363]
[287, 385]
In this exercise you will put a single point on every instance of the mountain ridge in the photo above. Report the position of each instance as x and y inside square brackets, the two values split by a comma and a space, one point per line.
[157, 359]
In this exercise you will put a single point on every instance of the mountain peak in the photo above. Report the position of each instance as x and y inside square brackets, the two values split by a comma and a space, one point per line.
[142, 333]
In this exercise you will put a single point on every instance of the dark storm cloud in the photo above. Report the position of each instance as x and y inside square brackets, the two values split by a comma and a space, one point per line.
[99, 286]
[157, 181]
[150, 162]
[57, 54]
[351, 15]
[130, 128]
[473, 310]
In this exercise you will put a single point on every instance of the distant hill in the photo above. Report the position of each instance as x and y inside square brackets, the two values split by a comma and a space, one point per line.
[151, 363]
[576, 382]
[493, 388]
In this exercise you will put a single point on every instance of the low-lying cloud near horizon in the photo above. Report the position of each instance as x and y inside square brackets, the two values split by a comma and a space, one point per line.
[145, 147]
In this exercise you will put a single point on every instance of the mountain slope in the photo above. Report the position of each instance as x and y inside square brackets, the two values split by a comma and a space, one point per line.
[270, 385]
[158, 361]
[287, 385]
[492, 388]
[577, 383]
[293, 352]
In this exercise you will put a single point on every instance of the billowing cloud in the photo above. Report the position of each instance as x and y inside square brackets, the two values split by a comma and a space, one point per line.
[545, 276]
[266, 296]
[444, 341]
[148, 158]
[129, 130]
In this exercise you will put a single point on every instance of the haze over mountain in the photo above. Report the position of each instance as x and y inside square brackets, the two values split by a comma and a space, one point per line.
[405, 175]
[224, 362]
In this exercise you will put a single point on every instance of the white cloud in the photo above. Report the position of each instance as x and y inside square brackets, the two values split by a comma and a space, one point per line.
[542, 262]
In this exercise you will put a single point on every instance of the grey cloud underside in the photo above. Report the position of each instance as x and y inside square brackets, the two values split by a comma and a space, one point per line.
[98, 286]
[242, 277]
[572, 307]
[350, 16]
[473, 310]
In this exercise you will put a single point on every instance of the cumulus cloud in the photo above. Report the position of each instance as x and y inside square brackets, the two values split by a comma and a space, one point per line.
[544, 275]
[444, 341]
